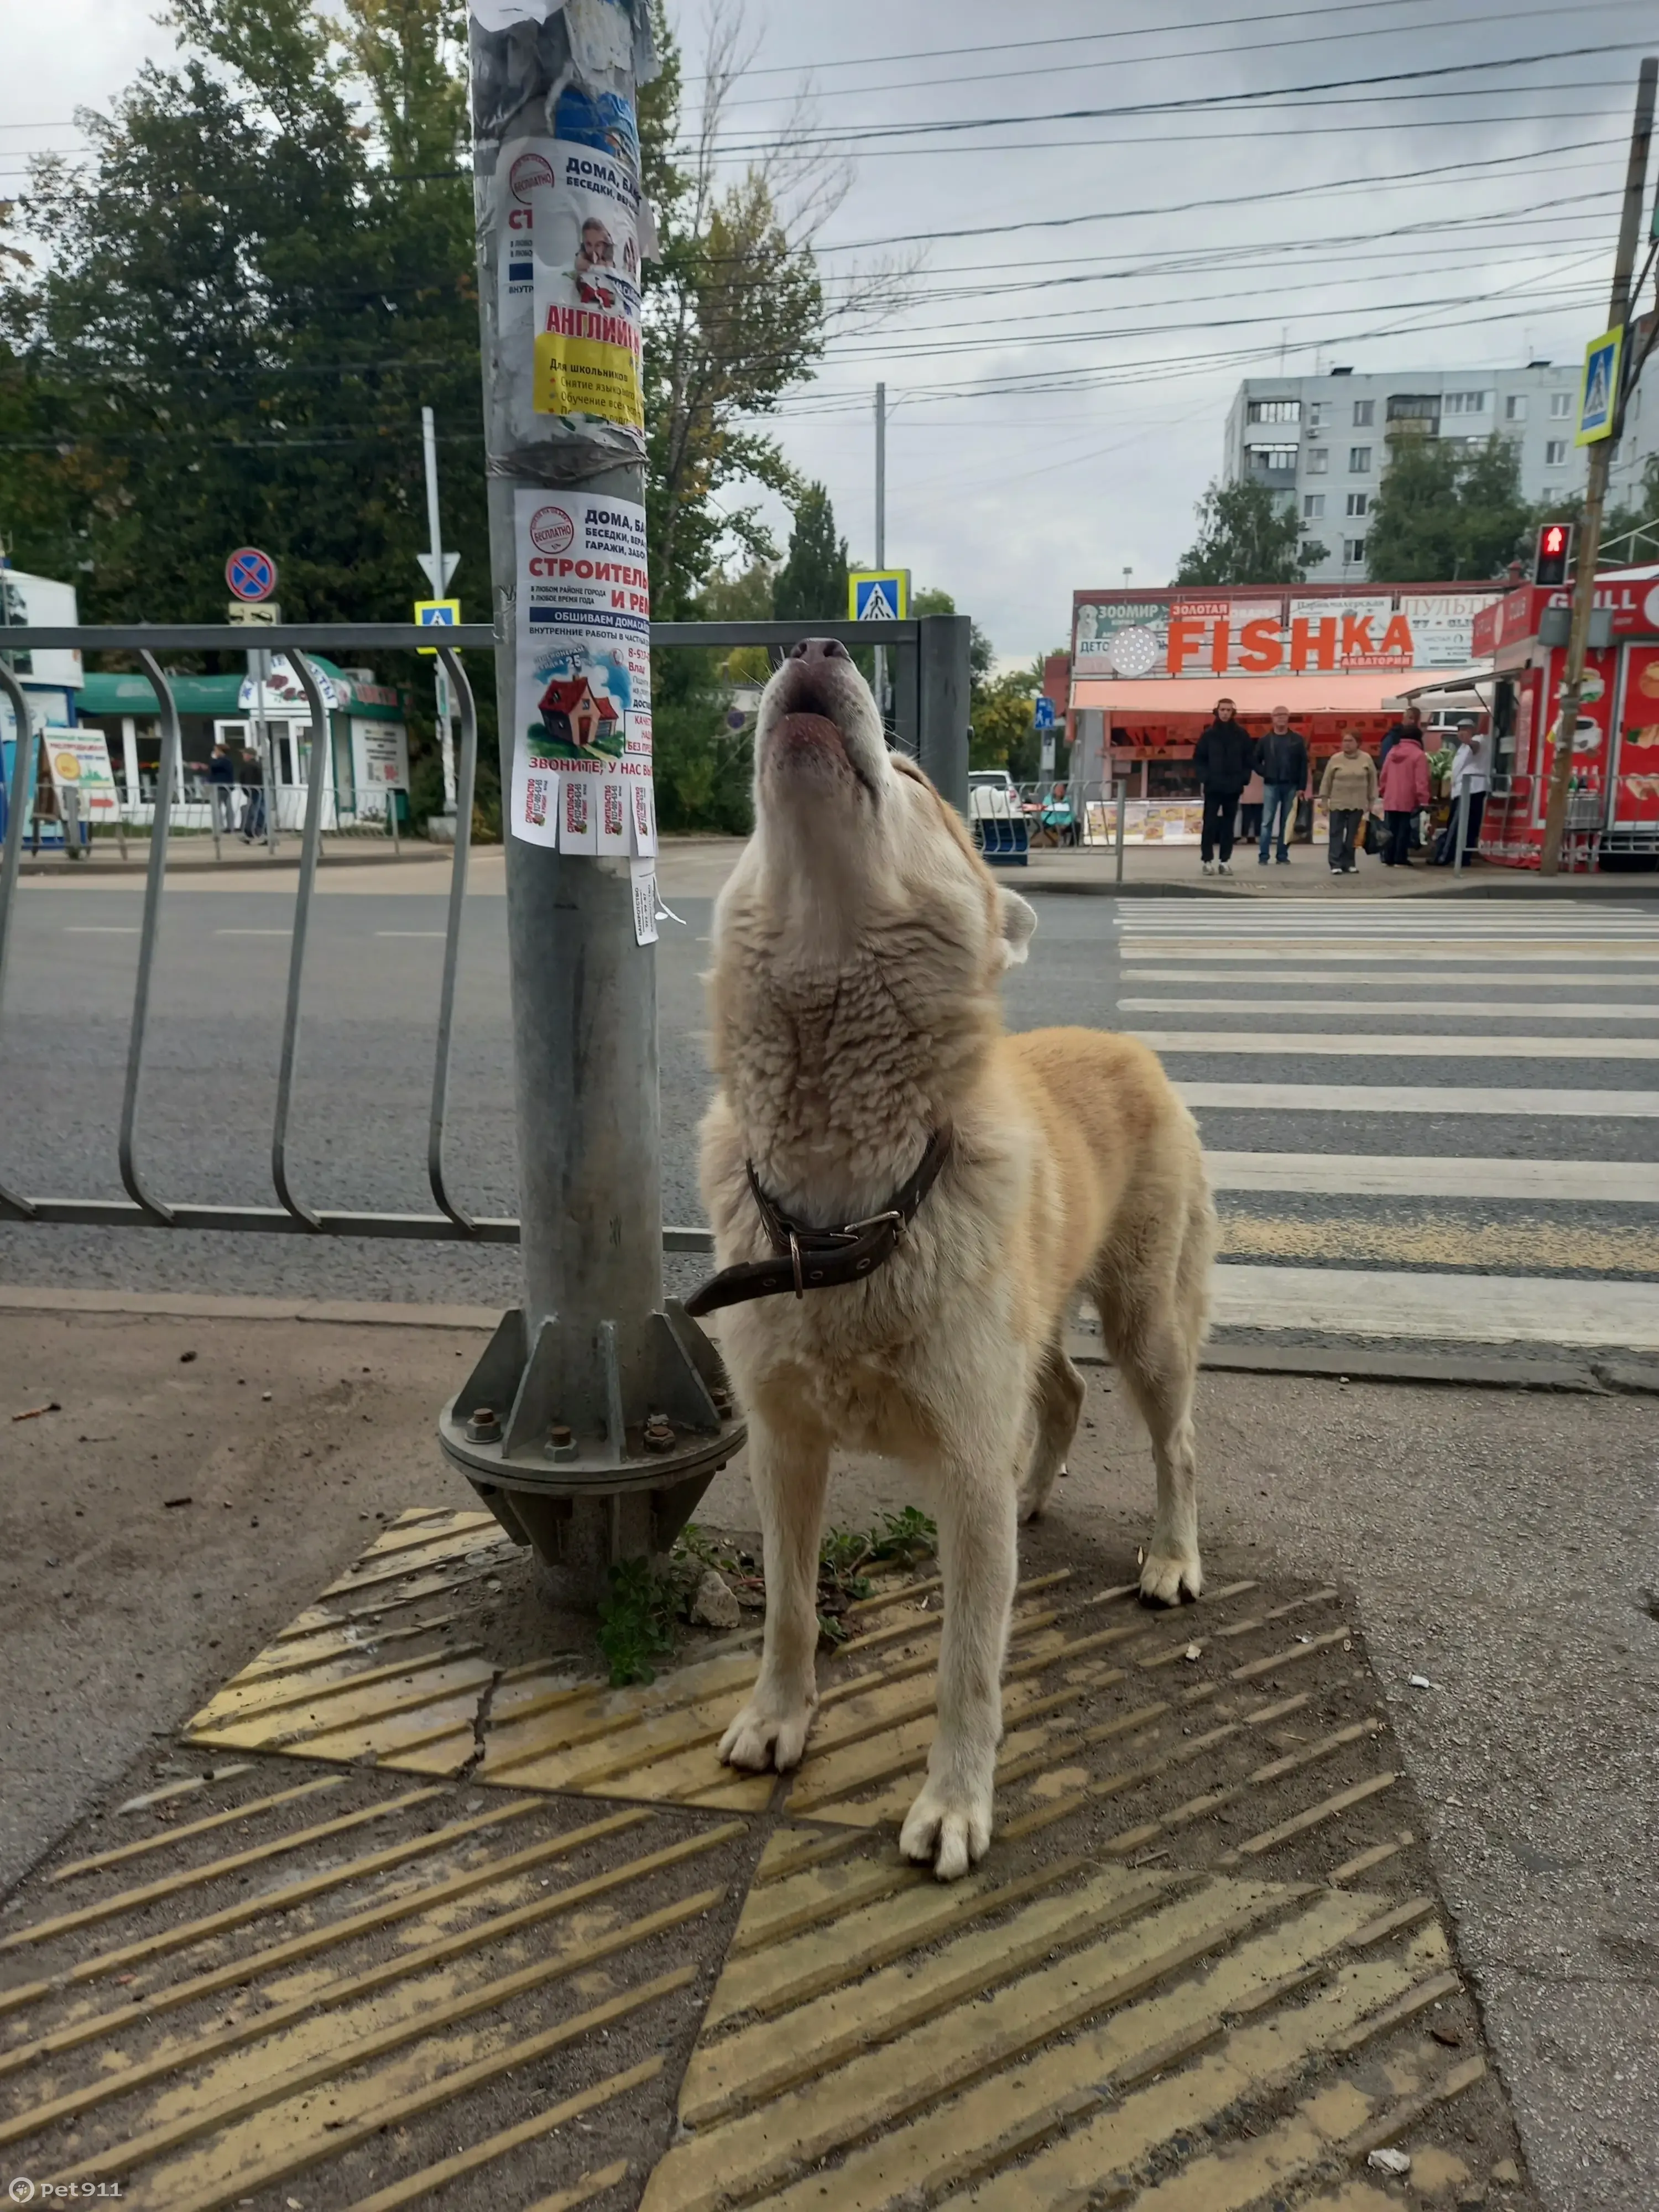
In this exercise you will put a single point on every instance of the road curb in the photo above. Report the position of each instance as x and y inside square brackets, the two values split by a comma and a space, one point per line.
[1593, 1377]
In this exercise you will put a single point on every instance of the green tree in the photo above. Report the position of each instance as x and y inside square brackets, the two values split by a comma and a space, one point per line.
[1000, 722]
[1446, 511]
[1245, 537]
[811, 584]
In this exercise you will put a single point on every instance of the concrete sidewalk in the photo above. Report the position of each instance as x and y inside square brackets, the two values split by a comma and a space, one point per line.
[194, 1482]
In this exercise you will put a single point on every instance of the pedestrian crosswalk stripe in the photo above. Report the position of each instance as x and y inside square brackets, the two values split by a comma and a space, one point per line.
[1449, 1009]
[1375, 952]
[1487, 1309]
[1441, 992]
[1361, 1175]
[1573, 978]
[1364, 1045]
[1419, 1098]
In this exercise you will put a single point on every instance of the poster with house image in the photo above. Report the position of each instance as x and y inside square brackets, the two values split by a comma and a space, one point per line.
[583, 671]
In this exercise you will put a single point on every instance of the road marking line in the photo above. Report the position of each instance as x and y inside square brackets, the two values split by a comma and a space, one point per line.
[253, 932]
[410, 933]
[1501, 1310]
[1417, 1098]
[1444, 1240]
[1361, 1175]
[1506, 954]
[1573, 978]
[1446, 1009]
[100, 929]
[1289, 1043]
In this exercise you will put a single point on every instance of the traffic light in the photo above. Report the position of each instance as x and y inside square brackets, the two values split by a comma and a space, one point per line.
[1549, 564]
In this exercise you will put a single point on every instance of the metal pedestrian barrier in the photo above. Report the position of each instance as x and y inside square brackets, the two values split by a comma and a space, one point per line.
[931, 723]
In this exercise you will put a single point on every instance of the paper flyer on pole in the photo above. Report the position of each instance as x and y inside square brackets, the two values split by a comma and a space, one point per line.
[582, 754]
[571, 257]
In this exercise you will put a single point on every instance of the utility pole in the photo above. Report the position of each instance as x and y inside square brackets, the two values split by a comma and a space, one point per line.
[597, 1415]
[440, 568]
[1600, 462]
[881, 531]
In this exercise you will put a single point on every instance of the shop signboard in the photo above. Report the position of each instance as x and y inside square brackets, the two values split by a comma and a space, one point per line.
[1228, 634]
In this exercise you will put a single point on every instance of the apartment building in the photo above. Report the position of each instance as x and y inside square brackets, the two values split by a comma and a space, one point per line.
[1323, 442]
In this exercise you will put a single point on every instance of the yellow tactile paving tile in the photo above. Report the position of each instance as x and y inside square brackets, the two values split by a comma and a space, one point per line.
[492, 1947]
[559, 1956]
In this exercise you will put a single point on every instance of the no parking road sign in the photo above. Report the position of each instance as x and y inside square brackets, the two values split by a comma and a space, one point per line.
[878, 594]
[250, 574]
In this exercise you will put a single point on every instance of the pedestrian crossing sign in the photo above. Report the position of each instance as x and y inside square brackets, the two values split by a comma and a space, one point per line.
[436, 614]
[1598, 399]
[878, 594]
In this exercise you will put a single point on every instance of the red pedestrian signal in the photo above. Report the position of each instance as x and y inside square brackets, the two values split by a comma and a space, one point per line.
[1555, 544]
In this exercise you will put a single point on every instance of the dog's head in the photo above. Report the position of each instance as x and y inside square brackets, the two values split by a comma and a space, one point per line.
[858, 834]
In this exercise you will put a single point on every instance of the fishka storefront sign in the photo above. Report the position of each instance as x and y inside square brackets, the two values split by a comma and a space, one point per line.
[1266, 634]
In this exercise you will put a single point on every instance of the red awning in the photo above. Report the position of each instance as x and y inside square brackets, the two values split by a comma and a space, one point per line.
[1157, 698]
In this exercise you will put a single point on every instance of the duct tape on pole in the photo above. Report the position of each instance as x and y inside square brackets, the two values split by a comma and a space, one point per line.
[599, 1412]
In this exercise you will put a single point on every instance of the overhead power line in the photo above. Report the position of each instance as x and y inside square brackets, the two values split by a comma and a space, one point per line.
[1324, 36]
[1439, 172]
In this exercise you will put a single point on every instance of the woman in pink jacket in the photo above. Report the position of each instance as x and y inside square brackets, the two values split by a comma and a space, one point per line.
[1403, 787]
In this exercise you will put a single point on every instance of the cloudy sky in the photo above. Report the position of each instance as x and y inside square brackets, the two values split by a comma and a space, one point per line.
[1114, 218]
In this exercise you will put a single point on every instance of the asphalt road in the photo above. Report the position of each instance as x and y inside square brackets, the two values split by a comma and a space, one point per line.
[1206, 977]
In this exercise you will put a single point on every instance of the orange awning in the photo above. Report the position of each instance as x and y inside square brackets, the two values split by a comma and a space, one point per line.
[1155, 698]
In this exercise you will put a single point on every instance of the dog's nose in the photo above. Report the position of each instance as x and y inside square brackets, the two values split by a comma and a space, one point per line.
[818, 648]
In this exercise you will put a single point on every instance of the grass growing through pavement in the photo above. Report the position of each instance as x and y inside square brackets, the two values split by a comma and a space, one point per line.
[639, 1621]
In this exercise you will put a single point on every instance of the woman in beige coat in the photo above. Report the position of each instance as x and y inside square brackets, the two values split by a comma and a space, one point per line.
[1348, 788]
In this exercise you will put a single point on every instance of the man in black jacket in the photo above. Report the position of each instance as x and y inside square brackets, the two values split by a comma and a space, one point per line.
[1281, 761]
[1221, 760]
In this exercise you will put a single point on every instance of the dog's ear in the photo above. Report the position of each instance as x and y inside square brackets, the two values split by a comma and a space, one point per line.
[1017, 921]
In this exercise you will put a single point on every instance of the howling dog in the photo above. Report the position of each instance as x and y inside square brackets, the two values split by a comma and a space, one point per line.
[907, 1203]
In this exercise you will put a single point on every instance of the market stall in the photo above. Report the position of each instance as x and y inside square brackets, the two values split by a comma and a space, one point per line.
[1148, 668]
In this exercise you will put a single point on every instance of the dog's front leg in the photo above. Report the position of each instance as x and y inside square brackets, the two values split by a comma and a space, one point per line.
[949, 1822]
[789, 1468]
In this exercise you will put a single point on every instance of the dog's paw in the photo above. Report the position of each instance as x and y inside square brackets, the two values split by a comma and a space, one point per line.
[951, 1833]
[760, 1738]
[1170, 1577]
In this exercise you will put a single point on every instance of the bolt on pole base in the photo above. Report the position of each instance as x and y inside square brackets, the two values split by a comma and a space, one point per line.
[585, 1454]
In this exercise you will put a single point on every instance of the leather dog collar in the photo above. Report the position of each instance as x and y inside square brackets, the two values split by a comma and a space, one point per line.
[819, 1259]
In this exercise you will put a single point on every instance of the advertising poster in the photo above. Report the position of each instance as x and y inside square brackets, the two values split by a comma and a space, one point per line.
[1121, 640]
[1443, 625]
[583, 202]
[1637, 784]
[79, 764]
[581, 773]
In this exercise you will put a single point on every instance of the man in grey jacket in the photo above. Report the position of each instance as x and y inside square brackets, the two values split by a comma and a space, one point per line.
[1281, 761]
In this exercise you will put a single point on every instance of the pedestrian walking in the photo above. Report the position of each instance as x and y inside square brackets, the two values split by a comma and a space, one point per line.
[222, 789]
[1468, 774]
[1404, 786]
[1348, 788]
[1281, 761]
[253, 801]
[1222, 760]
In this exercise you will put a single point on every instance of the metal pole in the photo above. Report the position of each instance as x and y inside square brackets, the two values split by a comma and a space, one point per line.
[1462, 829]
[1122, 787]
[943, 675]
[440, 583]
[881, 532]
[1600, 462]
[607, 1416]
